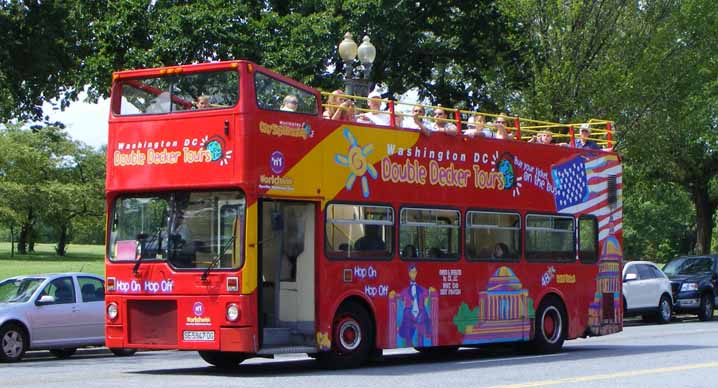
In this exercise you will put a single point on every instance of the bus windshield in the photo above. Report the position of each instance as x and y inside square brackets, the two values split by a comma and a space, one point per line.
[187, 229]
[180, 92]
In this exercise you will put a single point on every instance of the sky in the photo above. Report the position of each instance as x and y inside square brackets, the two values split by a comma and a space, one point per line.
[85, 122]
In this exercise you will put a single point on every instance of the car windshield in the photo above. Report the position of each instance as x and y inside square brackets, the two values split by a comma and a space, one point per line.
[688, 266]
[18, 290]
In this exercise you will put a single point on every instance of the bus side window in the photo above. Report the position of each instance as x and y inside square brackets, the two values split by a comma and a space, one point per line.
[434, 233]
[273, 94]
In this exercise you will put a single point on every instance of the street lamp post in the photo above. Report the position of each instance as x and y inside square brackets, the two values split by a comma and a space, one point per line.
[357, 85]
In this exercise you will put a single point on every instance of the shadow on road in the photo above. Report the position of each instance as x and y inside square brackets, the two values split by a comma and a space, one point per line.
[405, 364]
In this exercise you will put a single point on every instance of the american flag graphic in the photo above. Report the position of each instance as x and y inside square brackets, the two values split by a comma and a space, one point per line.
[581, 187]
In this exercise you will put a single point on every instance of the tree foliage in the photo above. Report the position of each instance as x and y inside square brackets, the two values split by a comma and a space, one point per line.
[651, 66]
[47, 178]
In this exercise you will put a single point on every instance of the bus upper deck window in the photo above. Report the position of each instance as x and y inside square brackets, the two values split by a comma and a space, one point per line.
[178, 93]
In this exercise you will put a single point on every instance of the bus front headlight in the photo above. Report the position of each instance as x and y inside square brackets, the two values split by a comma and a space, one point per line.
[232, 312]
[112, 311]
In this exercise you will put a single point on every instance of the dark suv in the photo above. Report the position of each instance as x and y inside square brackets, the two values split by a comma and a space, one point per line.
[694, 283]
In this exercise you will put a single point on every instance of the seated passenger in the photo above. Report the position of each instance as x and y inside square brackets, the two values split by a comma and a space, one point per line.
[477, 127]
[501, 251]
[371, 241]
[583, 141]
[202, 102]
[290, 103]
[409, 251]
[375, 116]
[416, 120]
[500, 126]
[543, 137]
[435, 252]
[339, 108]
[442, 124]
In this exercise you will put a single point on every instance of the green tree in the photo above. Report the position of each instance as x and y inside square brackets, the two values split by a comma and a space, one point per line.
[44, 44]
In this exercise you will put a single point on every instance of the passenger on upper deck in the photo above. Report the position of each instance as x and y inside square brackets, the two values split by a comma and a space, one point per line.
[202, 102]
[477, 127]
[290, 103]
[374, 117]
[441, 123]
[543, 137]
[501, 131]
[416, 120]
[583, 141]
[339, 108]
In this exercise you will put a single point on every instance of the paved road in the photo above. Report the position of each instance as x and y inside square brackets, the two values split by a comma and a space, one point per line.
[681, 354]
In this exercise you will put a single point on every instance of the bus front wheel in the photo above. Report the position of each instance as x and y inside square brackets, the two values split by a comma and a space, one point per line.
[352, 338]
[223, 360]
[550, 326]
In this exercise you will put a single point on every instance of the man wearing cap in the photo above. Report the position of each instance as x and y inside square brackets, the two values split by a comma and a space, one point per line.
[374, 116]
[583, 141]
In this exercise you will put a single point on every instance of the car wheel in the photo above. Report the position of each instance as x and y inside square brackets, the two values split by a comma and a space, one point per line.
[665, 310]
[123, 352]
[13, 343]
[550, 327]
[352, 338]
[223, 360]
[706, 311]
[63, 353]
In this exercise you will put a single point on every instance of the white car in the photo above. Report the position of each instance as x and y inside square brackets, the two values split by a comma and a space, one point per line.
[646, 291]
[59, 312]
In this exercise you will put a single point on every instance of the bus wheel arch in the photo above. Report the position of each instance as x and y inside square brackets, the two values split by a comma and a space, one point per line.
[551, 325]
[353, 335]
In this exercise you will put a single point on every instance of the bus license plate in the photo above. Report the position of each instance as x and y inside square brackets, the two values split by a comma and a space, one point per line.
[193, 335]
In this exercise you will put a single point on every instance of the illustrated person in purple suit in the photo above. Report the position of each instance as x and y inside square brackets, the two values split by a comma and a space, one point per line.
[415, 328]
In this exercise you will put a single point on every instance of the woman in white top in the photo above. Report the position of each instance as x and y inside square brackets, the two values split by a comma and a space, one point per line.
[442, 124]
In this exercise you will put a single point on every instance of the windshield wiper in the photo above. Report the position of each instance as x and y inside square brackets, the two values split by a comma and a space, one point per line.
[218, 258]
[140, 240]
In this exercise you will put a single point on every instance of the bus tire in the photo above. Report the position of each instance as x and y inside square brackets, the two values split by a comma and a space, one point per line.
[550, 326]
[222, 360]
[352, 338]
[123, 352]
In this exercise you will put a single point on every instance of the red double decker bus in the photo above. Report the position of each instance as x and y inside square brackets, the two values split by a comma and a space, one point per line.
[241, 227]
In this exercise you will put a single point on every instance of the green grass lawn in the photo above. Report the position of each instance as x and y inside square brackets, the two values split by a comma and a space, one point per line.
[84, 258]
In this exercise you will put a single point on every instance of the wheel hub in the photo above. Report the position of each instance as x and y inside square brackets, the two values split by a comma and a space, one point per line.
[349, 335]
[12, 344]
[551, 324]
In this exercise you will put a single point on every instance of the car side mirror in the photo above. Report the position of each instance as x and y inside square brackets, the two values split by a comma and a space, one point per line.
[45, 299]
[629, 277]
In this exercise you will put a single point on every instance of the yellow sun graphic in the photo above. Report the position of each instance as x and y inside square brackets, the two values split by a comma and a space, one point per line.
[356, 161]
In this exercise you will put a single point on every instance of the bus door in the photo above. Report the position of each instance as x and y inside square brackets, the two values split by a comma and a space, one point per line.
[286, 309]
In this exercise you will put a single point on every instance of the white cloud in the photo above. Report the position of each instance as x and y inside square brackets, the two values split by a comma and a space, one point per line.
[85, 122]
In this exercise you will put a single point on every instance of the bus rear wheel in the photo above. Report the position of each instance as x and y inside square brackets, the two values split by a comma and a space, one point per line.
[352, 338]
[551, 325]
[223, 360]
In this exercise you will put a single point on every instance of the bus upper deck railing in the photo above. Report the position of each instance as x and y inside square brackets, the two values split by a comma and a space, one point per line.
[467, 122]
